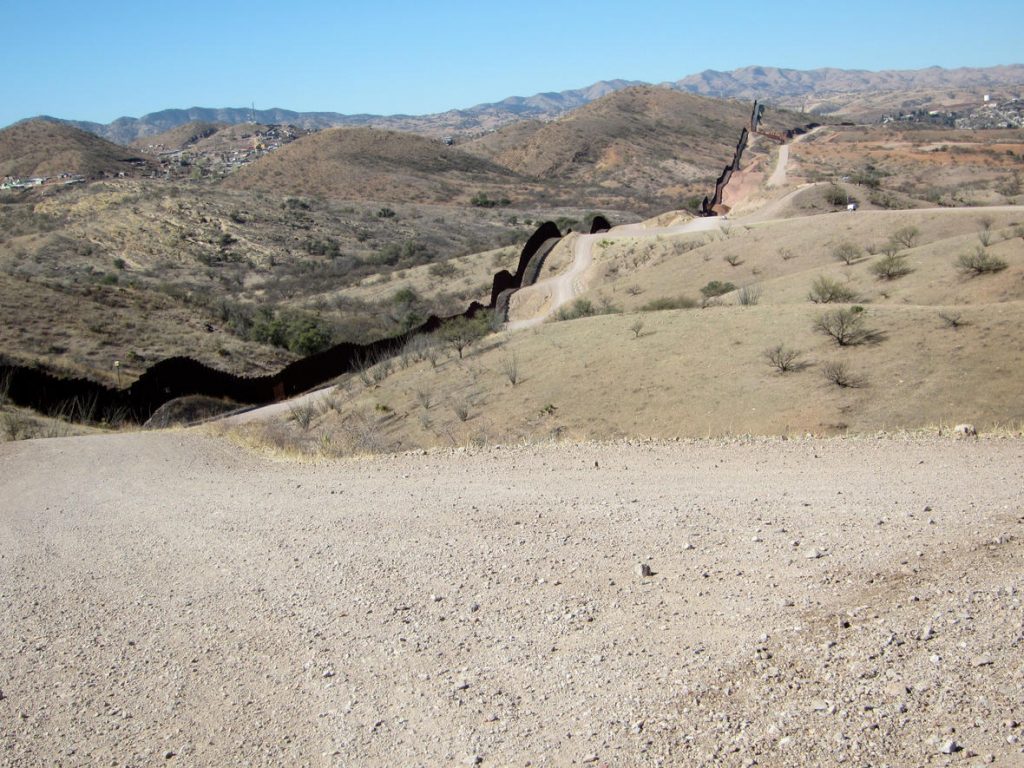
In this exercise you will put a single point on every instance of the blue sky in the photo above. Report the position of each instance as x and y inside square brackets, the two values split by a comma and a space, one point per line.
[100, 60]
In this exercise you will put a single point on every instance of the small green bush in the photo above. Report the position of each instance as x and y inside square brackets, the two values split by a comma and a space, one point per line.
[585, 308]
[981, 262]
[906, 236]
[669, 302]
[825, 290]
[716, 288]
[837, 195]
[890, 267]
[847, 253]
[462, 332]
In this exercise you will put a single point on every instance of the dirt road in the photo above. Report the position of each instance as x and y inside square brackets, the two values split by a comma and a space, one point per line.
[778, 177]
[566, 286]
[169, 599]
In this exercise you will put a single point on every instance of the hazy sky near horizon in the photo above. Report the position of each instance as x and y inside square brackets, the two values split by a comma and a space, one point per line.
[101, 60]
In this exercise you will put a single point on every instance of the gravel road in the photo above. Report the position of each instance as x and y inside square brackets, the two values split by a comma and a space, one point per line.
[778, 177]
[170, 599]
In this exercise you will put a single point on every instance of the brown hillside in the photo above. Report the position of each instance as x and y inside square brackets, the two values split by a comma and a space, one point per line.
[47, 148]
[646, 138]
[181, 136]
[369, 164]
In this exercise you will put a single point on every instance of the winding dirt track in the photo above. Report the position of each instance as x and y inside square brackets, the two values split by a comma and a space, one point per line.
[566, 286]
[169, 599]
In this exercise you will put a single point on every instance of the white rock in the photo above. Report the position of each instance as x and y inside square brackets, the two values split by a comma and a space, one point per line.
[949, 747]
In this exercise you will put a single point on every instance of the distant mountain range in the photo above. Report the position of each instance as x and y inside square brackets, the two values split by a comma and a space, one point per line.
[822, 91]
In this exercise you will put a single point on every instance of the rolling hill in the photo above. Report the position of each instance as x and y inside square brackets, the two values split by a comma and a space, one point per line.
[180, 136]
[645, 148]
[47, 148]
[370, 164]
[646, 141]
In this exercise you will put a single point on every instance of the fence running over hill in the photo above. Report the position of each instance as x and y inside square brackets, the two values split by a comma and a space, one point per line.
[713, 206]
[176, 377]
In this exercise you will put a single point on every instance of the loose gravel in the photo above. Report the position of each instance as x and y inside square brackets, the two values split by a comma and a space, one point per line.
[171, 599]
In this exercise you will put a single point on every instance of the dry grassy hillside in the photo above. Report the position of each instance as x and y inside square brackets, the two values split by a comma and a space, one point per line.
[650, 144]
[941, 346]
[948, 167]
[651, 138]
[181, 136]
[368, 164]
[138, 270]
[47, 148]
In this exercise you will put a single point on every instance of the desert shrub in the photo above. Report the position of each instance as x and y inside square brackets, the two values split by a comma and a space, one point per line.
[326, 247]
[637, 327]
[846, 253]
[462, 332]
[981, 262]
[381, 370]
[585, 308]
[869, 176]
[294, 330]
[409, 254]
[906, 236]
[838, 373]
[579, 308]
[669, 302]
[423, 398]
[952, 320]
[16, 426]
[732, 259]
[825, 290]
[716, 288]
[891, 267]
[461, 410]
[302, 414]
[386, 213]
[404, 296]
[443, 269]
[749, 295]
[844, 326]
[837, 195]
[481, 200]
[510, 368]
[782, 358]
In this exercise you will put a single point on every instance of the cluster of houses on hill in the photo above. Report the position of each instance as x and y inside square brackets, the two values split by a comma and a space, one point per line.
[64, 179]
[224, 151]
[990, 114]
